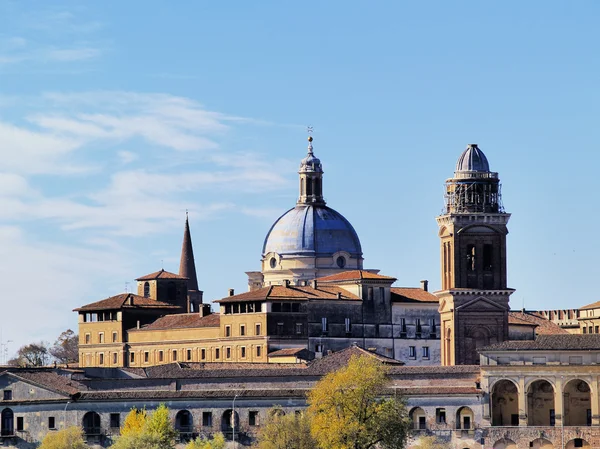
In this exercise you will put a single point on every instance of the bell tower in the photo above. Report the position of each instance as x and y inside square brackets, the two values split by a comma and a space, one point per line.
[472, 229]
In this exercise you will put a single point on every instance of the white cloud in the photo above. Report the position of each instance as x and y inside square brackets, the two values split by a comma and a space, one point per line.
[127, 157]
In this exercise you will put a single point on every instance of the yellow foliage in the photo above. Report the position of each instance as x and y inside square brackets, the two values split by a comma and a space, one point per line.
[431, 443]
[134, 422]
[347, 410]
[283, 431]
[216, 442]
[69, 438]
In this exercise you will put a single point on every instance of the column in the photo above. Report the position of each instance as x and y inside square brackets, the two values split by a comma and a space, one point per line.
[558, 402]
[522, 403]
[594, 401]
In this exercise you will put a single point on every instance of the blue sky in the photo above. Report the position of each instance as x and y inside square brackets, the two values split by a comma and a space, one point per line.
[116, 117]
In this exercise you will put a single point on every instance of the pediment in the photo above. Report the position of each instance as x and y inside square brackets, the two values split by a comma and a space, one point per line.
[481, 303]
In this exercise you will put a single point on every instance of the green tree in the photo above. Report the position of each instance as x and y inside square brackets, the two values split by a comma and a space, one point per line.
[216, 442]
[286, 432]
[69, 438]
[143, 430]
[348, 410]
[431, 442]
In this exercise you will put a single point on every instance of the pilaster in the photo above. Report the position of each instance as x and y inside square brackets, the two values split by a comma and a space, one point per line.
[558, 402]
[522, 403]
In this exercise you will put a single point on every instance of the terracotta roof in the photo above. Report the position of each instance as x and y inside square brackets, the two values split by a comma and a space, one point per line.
[123, 300]
[182, 321]
[594, 305]
[301, 353]
[48, 379]
[514, 319]
[162, 274]
[281, 292]
[544, 326]
[412, 294]
[355, 275]
[564, 342]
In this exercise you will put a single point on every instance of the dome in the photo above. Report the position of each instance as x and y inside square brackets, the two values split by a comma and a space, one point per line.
[472, 159]
[312, 230]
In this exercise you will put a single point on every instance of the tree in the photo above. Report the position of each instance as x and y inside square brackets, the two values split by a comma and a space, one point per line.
[216, 442]
[66, 347]
[147, 431]
[33, 354]
[286, 432]
[348, 411]
[431, 442]
[69, 438]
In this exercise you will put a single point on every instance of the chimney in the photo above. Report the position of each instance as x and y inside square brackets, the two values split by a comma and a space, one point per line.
[286, 283]
[231, 292]
[313, 283]
[339, 295]
[425, 285]
[138, 324]
[204, 309]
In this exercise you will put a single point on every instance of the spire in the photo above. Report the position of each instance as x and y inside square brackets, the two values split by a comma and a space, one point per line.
[187, 265]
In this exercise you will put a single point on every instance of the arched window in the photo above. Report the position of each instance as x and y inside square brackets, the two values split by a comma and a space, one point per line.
[227, 421]
[8, 422]
[146, 289]
[419, 418]
[91, 423]
[341, 261]
[184, 422]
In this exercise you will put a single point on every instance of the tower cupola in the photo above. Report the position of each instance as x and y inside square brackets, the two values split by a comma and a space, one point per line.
[311, 178]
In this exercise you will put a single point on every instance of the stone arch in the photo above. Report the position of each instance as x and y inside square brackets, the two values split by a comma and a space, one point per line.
[537, 379]
[465, 418]
[418, 418]
[91, 423]
[226, 421]
[577, 443]
[8, 422]
[541, 443]
[540, 403]
[505, 403]
[577, 403]
[505, 443]
[184, 421]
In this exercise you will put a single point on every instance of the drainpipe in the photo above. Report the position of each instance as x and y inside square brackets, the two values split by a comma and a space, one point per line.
[65, 414]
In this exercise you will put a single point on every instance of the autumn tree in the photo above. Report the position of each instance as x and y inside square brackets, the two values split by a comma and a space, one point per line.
[283, 431]
[143, 430]
[69, 438]
[66, 347]
[216, 442]
[349, 409]
[33, 354]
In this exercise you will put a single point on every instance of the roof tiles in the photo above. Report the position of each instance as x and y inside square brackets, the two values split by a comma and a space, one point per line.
[125, 301]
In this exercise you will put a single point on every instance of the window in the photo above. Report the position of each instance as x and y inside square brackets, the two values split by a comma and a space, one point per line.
[88, 338]
[115, 358]
[412, 352]
[228, 352]
[597, 329]
[51, 422]
[585, 330]
[418, 328]
[402, 327]
[174, 355]
[258, 351]
[382, 294]
[324, 324]
[370, 293]
[422, 423]
[319, 348]
[253, 418]
[207, 419]
[8, 395]
[425, 352]
[471, 257]
[279, 328]
[298, 328]
[101, 337]
[273, 262]
[101, 359]
[348, 325]
[257, 329]
[276, 307]
[189, 355]
[115, 420]
[578, 442]
[487, 257]
[341, 261]
[440, 415]
[242, 330]
[115, 337]
[432, 330]
[203, 354]
[243, 352]
[146, 289]
[20, 424]
[228, 331]
[217, 353]
[161, 356]
[552, 417]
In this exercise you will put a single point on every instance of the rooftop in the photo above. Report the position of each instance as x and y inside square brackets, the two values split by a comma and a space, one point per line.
[162, 274]
[126, 301]
[281, 292]
[544, 326]
[564, 342]
[412, 294]
[355, 275]
[182, 321]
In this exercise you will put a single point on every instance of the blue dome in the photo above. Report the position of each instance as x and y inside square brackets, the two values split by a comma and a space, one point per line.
[472, 159]
[312, 230]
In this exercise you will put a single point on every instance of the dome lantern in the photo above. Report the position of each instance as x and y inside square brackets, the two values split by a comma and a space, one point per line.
[311, 178]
